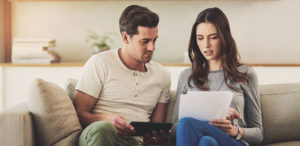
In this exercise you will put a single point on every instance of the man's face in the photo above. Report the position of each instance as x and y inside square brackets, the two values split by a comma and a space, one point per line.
[142, 45]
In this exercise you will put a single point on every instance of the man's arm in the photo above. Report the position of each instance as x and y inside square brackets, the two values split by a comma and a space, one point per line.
[84, 103]
[159, 113]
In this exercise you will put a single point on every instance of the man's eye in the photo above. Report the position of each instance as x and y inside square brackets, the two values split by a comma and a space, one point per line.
[144, 42]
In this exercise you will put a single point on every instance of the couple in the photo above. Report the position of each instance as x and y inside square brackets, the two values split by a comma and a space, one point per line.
[123, 85]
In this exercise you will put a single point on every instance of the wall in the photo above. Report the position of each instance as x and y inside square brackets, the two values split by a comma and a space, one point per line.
[266, 31]
[1, 31]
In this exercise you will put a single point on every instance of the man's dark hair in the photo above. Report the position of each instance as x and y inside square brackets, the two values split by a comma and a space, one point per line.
[134, 16]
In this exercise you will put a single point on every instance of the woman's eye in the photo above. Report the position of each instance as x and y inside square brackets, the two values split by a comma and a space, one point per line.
[215, 37]
[200, 38]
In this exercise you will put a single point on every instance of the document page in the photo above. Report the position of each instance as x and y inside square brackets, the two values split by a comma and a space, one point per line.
[205, 105]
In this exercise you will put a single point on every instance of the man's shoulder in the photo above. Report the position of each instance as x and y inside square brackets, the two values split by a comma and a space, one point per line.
[158, 67]
[106, 54]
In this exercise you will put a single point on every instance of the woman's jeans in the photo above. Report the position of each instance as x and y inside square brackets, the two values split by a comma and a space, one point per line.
[193, 132]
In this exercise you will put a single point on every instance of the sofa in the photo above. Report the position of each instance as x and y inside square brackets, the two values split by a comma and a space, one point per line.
[40, 121]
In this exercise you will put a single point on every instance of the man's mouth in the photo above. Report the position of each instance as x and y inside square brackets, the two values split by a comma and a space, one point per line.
[148, 54]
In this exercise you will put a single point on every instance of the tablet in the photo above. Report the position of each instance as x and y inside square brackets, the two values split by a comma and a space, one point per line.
[141, 128]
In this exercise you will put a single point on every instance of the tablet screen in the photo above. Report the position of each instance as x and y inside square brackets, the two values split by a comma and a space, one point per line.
[142, 128]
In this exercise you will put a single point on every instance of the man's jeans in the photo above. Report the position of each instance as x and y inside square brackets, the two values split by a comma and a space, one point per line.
[104, 134]
[193, 132]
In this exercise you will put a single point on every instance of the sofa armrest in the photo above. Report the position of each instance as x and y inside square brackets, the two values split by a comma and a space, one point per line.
[16, 127]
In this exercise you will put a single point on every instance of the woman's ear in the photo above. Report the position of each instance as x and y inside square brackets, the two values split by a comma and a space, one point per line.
[125, 37]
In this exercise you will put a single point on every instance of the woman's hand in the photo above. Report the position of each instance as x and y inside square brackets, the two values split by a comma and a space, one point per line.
[226, 126]
[232, 114]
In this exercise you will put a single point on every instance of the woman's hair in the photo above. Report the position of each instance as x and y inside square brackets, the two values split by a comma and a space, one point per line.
[228, 54]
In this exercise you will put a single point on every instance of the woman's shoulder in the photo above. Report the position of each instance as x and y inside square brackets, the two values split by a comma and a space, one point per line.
[185, 73]
[249, 70]
[246, 69]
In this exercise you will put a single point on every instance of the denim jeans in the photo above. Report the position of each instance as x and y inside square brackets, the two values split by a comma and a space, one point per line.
[193, 132]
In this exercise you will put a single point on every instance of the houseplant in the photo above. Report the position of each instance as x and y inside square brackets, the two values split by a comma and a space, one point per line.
[99, 43]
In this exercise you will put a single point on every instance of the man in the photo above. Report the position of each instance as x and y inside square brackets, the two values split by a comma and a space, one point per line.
[123, 85]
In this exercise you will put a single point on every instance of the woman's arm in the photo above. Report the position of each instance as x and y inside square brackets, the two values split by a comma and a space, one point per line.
[253, 133]
[181, 89]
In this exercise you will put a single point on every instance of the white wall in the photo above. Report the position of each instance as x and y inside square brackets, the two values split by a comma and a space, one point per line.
[266, 31]
[1, 31]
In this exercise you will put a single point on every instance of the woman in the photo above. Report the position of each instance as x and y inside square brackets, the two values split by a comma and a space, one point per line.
[216, 67]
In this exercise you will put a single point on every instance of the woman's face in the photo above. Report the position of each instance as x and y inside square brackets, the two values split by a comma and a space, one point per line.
[208, 41]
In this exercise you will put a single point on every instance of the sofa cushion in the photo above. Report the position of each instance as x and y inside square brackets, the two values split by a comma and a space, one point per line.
[70, 87]
[171, 105]
[53, 114]
[16, 127]
[289, 143]
[280, 112]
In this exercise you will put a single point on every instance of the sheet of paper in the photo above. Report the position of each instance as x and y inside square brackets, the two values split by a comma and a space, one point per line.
[205, 105]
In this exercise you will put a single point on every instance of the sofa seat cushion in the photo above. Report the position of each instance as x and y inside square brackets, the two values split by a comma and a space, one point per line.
[280, 112]
[54, 116]
[290, 143]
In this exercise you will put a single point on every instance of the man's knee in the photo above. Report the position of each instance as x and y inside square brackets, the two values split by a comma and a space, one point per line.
[98, 133]
[101, 128]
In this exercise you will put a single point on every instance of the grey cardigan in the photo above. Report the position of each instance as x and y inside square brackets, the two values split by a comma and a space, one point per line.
[245, 101]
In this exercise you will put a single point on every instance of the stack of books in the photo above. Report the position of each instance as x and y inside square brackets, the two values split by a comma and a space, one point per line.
[35, 51]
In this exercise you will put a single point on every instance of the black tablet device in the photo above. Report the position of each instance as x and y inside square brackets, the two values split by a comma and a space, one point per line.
[141, 128]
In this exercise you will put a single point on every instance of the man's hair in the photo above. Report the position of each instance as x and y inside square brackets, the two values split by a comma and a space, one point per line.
[134, 16]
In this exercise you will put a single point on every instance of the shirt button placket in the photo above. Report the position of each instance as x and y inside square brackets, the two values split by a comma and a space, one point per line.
[136, 83]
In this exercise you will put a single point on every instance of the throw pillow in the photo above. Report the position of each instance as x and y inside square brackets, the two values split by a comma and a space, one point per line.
[53, 114]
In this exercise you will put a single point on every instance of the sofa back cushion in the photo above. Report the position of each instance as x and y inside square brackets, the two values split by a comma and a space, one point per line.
[171, 105]
[54, 116]
[280, 112]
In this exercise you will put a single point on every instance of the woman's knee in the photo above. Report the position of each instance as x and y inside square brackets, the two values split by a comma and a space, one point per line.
[208, 140]
[190, 122]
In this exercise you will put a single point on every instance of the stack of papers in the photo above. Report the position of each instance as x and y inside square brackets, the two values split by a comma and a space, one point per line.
[205, 105]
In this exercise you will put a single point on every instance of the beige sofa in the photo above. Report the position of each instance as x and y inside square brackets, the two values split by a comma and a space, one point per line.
[280, 112]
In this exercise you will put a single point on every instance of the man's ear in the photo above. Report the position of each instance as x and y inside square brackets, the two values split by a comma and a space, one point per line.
[125, 37]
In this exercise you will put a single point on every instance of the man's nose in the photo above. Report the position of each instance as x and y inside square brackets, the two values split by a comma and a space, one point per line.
[151, 46]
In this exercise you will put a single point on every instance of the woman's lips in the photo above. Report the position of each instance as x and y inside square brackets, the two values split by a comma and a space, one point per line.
[208, 52]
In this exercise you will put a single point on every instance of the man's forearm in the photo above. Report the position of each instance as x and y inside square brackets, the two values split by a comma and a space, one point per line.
[86, 118]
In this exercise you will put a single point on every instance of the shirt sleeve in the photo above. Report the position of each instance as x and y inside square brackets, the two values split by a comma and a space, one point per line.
[165, 94]
[254, 129]
[92, 78]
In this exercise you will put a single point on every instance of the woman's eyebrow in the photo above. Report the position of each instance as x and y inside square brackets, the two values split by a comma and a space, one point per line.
[208, 35]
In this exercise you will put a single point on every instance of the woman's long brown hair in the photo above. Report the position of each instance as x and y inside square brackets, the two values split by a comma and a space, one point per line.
[229, 54]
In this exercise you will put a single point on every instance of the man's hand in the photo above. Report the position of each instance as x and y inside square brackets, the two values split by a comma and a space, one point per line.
[160, 138]
[123, 127]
